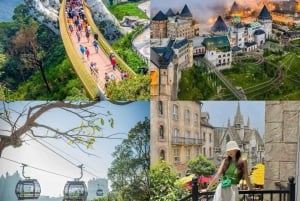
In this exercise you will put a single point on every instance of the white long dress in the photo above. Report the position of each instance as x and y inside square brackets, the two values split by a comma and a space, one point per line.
[226, 194]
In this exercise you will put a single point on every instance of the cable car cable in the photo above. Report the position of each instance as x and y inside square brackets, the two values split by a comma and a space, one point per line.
[59, 154]
[62, 156]
[50, 172]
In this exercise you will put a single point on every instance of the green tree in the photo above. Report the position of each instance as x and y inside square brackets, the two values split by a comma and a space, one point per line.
[162, 185]
[194, 85]
[202, 166]
[136, 88]
[111, 196]
[129, 171]
[26, 47]
[124, 49]
[21, 71]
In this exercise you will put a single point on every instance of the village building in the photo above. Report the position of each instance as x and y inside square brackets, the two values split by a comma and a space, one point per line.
[175, 133]
[218, 51]
[174, 25]
[168, 58]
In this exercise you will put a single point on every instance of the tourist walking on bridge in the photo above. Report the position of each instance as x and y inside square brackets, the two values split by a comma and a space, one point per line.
[96, 45]
[233, 168]
[82, 50]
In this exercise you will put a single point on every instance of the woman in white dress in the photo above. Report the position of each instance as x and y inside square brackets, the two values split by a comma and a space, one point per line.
[234, 168]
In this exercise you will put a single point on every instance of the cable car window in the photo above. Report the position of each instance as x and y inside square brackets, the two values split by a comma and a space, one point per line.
[99, 192]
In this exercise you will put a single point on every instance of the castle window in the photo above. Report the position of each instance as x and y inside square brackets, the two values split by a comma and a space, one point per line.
[161, 132]
[160, 107]
[187, 154]
[186, 116]
[176, 155]
[162, 154]
[175, 112]
[196, 119]
[175, 135]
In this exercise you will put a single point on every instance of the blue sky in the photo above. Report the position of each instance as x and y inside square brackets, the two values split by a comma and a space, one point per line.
[36, 155]
[221, 111]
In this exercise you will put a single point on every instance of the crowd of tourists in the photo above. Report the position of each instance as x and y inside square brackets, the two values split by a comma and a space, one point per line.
[78, 25]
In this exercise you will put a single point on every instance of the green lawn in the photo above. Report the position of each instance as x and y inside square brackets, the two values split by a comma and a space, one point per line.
[245, 74]
[126, 9]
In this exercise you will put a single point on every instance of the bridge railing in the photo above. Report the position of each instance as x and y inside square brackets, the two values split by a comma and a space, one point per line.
[106, 47]
[283, 194]
[86, 79]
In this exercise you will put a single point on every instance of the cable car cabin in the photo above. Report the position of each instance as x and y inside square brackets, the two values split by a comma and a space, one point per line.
[28, 189]
[75, 191]
[99, 192]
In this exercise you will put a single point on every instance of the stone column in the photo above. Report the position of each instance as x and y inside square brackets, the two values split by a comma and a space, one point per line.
[281, 138]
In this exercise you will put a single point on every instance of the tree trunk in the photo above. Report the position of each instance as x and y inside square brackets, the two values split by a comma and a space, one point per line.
[44, 76]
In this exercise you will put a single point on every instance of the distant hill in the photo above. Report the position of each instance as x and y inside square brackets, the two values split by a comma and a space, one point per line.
[7, 9]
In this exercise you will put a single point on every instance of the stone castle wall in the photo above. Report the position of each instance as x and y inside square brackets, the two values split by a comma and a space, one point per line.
[281, 141]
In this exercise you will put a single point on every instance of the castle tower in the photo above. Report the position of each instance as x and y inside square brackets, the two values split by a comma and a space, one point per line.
[159, 25]
[239, 30]
[219, 28]
[265, 19]
[170, 13]
[235, 10]
[186, 13]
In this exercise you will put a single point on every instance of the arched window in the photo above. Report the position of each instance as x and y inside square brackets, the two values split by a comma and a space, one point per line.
[175, 112]
[187, 116]
[160, 107]
[161, 132]
[162, 154]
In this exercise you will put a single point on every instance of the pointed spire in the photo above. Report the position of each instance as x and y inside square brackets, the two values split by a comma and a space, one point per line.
[234, 7]
[219, 25]
[228, 123]
[238, 112]
[238, 119]
[264, 14]
[186, 12]
[248, 122]
[170, 13]
[160, 16]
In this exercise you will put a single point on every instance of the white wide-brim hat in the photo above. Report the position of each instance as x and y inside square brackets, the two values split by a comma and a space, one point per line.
[232, 145]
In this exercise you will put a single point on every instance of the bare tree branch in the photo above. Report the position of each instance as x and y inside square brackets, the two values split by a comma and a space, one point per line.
[32, 113]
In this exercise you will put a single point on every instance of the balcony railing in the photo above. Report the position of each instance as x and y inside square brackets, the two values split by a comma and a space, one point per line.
[186, 141]
[284, 194]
